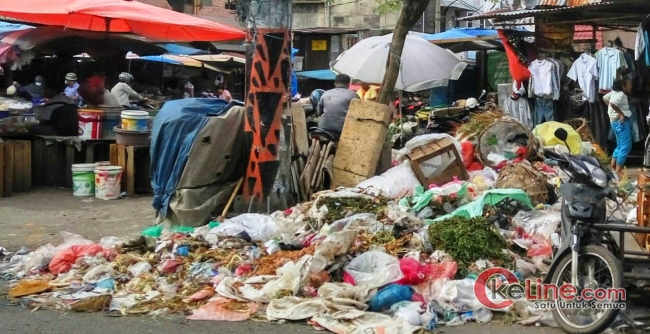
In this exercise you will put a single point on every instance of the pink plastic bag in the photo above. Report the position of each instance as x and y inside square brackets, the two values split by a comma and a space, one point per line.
[63, 260]
[541, 247]
[415, 272]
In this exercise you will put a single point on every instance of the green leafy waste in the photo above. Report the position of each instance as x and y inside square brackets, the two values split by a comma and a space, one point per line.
[468, 240]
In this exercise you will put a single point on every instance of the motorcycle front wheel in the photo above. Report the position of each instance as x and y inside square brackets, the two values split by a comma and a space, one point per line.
[593, 261]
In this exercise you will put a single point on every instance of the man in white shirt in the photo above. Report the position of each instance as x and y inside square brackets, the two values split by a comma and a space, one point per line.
[124, 92]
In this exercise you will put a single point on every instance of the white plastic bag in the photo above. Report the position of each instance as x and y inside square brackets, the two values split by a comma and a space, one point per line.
[410, 312]
[374, 269]
[393, 182]
[71, 239]
[110, 242]
[260, 228]
[139, 268]
[540, 222]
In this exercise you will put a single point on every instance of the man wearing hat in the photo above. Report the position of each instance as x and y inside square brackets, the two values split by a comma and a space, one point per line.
[71, 87]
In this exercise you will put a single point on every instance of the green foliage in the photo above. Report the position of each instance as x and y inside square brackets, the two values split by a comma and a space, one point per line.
[387, 6]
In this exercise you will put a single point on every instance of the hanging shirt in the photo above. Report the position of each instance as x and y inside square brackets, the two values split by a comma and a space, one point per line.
[585, 72]
[639, 45]
[545, 80]
[519, 109]
[608, 60]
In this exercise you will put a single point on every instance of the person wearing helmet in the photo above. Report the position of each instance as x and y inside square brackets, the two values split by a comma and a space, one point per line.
[71, 87]
[315, 96]
[124, 92]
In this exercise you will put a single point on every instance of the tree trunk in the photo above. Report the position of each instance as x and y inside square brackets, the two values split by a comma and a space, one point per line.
[412, 11]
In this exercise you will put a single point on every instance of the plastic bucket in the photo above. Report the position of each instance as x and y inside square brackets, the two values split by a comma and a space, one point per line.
[83, 180]
[108, 180]
[111, 120]
[134, 120]
[102, 163]
[90, 124]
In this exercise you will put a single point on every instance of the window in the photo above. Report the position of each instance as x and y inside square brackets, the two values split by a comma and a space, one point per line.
[206, 3]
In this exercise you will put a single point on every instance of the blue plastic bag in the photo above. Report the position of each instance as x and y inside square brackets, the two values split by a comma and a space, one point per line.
[390, 295]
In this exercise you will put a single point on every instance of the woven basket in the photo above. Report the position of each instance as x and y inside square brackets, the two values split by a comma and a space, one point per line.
[504, 125]
[581, 126]
[525, 177]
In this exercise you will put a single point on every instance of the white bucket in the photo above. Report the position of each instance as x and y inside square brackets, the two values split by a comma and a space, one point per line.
[83, 180]
[108, 180]
[133, 120]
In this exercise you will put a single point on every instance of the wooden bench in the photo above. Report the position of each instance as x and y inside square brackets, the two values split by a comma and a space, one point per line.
[15, 167]
[53, 161]
[136, 164]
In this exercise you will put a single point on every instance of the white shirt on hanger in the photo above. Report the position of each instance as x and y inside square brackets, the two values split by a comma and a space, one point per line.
[585, 72]
[542, 72]
[639, 45]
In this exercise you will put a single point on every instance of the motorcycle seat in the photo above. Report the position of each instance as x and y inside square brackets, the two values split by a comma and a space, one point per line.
[322, 134]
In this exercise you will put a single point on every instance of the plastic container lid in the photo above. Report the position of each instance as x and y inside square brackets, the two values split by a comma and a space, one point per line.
[83, 167]
[135, 114]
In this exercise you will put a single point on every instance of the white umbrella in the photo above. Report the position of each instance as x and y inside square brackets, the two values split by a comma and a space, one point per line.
[424, 65]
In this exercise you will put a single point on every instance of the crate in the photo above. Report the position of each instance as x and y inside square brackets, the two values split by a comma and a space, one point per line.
[15, 167]
[425, 164]
[643, 209]
[136, 164]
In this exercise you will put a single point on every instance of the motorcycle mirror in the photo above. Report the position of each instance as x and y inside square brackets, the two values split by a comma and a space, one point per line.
[561, 134]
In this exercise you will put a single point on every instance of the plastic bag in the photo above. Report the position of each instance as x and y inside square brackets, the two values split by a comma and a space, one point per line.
[374, 269]
[541, 247]
[388, 296]
[64, 259]
[394, 182]
[41, 257]
[415, 272]
[139, 268]
[525, 268]
[260, 228]
[110, 242]
[410, 313]
[540, 223]
[71, 239]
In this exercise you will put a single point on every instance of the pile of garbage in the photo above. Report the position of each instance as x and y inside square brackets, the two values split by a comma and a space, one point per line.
[386, 256]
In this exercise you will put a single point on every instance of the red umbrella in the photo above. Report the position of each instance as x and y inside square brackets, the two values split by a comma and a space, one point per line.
[119, 16]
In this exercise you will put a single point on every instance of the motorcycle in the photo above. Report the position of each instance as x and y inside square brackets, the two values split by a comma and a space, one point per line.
[583, 204]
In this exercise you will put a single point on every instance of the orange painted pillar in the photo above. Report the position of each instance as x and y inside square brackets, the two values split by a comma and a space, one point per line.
[268, 80]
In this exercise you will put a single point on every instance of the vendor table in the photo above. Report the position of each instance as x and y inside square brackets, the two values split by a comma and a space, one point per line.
[15, 167]
[136, 164]
[53, 158]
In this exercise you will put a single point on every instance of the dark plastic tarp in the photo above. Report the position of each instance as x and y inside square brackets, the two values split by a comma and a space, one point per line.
[174, 131]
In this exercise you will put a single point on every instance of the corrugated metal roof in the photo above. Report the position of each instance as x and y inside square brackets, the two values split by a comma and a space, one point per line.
[532, 12]
[330, 31]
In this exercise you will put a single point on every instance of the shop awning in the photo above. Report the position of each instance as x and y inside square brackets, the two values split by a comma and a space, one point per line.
[317, 74]
[466, 39]
[177, 49]
[70, 41]
[119, 16]
[221, 58]
[177, 60]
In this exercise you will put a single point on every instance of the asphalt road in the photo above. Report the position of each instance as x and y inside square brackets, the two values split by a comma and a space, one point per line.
[16, 320]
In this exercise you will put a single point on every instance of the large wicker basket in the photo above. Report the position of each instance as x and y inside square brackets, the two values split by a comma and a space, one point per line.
[525, 177]
[502, 126]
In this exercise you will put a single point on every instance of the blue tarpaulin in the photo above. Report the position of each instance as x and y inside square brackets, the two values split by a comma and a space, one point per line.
[294, 78]
[317, 74]
[465, 39]
[6, 27]
[176, 49]
[174, 132]
[160, 59]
